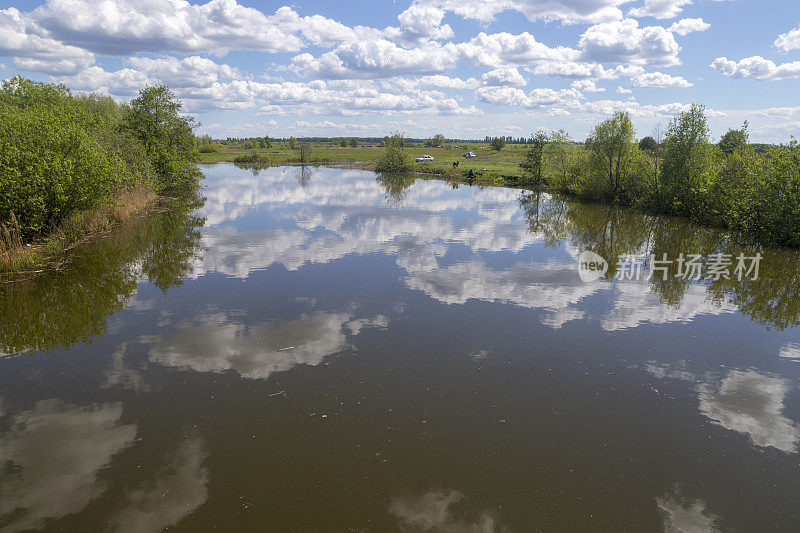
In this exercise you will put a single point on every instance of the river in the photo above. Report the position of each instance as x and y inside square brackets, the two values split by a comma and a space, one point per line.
[326, 349]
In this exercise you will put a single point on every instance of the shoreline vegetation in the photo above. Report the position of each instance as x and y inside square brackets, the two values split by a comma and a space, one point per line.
[72, 166]
[752, 190]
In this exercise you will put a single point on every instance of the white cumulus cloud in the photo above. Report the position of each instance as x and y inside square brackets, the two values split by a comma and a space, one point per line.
[662, 9]
[504, 76]
[659, 79]
[756, 67]
[789, 41]
[34, 50]
[624, 42]
[686, 26]
[567, 11]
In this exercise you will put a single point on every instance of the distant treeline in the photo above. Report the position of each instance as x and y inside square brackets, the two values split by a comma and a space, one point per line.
[62, 153]
[731, 184]
[352, 142]
[436, 140]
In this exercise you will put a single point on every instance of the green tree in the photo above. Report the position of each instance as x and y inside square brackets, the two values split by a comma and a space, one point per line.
[353, 143]
[734, 139]
[292, 143]
[56, 155]
[344, 143]
[51, 166]
[533, 166]
[611, 147]
[435, 141]
[23, 93]
[498, 143]
[557, 157]
[304, 150]
[394, 158]
[155, 120]
[688, 163]
[648, 144]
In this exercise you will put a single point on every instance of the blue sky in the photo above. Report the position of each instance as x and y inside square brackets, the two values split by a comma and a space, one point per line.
[465, 68]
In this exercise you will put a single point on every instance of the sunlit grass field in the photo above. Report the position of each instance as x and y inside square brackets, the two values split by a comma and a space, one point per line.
[488, 164]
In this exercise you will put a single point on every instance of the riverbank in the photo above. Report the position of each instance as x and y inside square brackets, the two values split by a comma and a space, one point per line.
[489, 164]
[488, 179]
[19, 260]
[73, 165]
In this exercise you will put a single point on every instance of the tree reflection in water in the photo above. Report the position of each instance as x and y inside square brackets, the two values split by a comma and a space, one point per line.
[396, 186]
[57, 310]
[773, 300]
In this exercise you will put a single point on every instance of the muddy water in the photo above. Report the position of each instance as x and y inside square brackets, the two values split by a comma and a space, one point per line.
[331, 350]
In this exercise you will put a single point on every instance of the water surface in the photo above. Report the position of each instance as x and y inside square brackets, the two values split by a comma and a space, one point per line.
[331, 350]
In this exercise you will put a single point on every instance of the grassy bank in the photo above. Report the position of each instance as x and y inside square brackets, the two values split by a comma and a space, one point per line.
[490, 165]
[71, 165]
[20, 259]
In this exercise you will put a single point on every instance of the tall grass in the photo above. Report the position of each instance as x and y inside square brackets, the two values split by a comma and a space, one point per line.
[14, 255]
[17, 256]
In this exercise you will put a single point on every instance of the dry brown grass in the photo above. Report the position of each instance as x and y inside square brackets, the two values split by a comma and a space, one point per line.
[17, 257]
[14, 254]
[125, 204]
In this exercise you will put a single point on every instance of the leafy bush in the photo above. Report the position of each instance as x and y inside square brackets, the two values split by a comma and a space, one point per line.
[394, 158]
[60, 154]
[304, 152]
[498, 143]
[209, 148]
[249, 159]
[734, 139]
[533, 165]
[50, 166]
[732, 185]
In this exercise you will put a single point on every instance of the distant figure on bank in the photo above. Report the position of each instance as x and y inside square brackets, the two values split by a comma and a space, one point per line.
[455, 164]
[471, 174]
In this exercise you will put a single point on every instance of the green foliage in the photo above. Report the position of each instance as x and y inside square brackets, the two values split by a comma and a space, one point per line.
[209, 148]
[304, 151]
[292, 143]
[344, 143]
[167, 136]
[23, 93]
[353, 143]
[558, 155]
[497, 144]
[648, 144]
[435, 141]
[249, 159]
[737, 187]
[533, 166]
[61, 154]
[394, 158]
[128, 148]
[50, 165]
[735, 139]
[206, 145]
[688, 163]
[611, 153]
